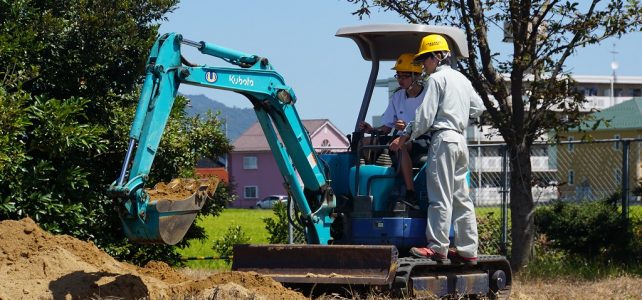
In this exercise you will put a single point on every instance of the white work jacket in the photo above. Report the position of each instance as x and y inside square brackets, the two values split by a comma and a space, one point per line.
[449, 102]
[402, 107]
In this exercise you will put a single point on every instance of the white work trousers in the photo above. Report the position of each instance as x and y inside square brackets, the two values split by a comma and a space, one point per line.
[448, 195]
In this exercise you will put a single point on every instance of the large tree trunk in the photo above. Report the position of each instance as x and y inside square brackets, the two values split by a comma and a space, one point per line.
[521, 205]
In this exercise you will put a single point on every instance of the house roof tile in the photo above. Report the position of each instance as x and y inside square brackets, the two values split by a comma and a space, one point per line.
[253, 138]
[626, 115]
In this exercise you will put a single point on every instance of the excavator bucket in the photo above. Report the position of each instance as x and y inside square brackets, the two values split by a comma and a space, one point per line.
[320, 264]
[171, 210]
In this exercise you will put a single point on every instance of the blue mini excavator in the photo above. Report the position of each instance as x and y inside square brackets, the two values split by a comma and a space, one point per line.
[356, 231]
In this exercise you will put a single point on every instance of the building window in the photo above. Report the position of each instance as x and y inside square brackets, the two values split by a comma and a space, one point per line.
[571, 177]
[472, 151]
[250, 192]
[590, 91]
[571, 146]
[325, 143]
[490, 151]
[636, 92]
[616, 145]
[539, 150]
[250, 163]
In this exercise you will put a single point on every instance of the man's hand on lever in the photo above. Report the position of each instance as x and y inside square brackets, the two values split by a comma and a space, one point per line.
[365, 127]
[398, 143]
[400, 125]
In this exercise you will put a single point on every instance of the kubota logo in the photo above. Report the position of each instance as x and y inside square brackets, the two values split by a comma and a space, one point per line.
[237, 80]
[211, 76]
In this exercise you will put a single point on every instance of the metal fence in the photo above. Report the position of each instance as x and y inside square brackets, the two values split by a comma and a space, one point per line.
[566, 171]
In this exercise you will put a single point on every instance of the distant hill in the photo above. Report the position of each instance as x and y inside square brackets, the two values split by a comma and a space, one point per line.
[237, 119]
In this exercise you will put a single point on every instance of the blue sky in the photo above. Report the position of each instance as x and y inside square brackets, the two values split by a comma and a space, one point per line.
[326, 72]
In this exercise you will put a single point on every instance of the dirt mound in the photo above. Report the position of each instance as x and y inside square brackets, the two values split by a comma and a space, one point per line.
[182, 188]
[37, 265]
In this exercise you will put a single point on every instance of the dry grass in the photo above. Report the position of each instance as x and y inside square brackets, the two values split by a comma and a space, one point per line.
[624, 287]
[621, 287]
[610, 288]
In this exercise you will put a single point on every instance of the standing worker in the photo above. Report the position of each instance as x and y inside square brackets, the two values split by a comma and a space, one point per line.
[401, 110]
[450, 101]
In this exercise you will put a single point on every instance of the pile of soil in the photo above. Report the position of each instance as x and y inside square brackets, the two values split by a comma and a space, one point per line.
[182, 188]
[37, 265]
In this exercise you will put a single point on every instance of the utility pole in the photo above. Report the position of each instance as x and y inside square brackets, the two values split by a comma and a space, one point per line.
[614, 66]
[479, 162]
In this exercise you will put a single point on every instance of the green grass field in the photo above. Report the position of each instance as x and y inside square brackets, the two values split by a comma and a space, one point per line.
[215, 227]
[251, 222]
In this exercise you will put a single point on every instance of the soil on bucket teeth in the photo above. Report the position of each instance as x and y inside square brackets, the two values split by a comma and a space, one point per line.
[35, 264]
[181, 188]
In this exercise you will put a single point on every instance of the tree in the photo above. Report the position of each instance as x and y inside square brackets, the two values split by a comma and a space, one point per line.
[539, 97]
[69, 82]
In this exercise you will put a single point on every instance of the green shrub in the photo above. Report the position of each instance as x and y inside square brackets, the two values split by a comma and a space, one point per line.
[591, 230]
[69, 82]
[278, 228]
[234, 236]
[635, 224]
[490, 233]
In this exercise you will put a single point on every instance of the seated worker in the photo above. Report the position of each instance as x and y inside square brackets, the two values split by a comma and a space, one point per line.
[401, 110]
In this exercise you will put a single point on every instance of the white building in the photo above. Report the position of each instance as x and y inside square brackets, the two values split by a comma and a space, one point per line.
[486, 165]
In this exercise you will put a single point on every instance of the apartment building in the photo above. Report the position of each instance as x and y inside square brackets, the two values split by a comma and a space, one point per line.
[486, 160]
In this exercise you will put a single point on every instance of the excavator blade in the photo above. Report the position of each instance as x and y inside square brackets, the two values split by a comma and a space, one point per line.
[321, 264]
[170, 211]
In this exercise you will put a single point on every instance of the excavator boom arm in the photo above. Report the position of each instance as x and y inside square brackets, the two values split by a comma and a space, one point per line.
[273, 103]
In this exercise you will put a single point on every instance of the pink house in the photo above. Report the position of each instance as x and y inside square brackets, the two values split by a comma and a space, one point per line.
[252, 166]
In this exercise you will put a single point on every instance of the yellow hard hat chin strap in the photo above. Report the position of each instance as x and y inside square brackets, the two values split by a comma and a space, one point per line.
[416, 79]
[445, 56]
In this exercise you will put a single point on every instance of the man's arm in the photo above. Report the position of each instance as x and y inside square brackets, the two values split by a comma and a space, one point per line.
[476, 104]
[367, 128]
[398, 142]
[427, 111]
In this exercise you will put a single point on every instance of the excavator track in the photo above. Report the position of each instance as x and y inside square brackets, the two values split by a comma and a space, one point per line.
[374, 266]
[492, 274]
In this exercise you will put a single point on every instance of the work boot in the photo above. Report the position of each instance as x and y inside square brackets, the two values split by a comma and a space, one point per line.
[427, 253]
[455, 257]
[411, 200]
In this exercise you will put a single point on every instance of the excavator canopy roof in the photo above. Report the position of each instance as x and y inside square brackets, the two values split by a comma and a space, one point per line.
[385, 42]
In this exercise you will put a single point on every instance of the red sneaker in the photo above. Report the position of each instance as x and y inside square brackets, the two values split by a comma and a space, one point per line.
[454, 257]
[427, 253]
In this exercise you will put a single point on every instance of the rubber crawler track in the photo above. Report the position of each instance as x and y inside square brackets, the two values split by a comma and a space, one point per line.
[488, 263]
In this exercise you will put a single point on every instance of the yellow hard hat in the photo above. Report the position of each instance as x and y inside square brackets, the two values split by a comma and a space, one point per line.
[406, 63]
[432, 43]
